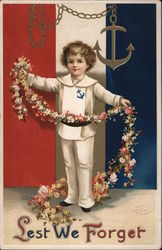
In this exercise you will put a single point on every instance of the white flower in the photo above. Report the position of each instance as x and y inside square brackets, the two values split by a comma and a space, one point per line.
[22, 58]
[121, 159]
[20, 64]
[41, 107]
[131, 125]
[129, 175]
[116, 111]
[88, 117]
[47, 112]
[20, 117]
[95, 117]
[63, 115]
[54, 115]
[113, 178]
[33, 98]
[125, 138]
[16, 88]
[70, 119]
[132, 162]
[18, 100]
[130, 133]
[27, 66]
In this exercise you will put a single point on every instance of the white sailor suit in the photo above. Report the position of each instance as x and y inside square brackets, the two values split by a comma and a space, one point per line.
[77, 142]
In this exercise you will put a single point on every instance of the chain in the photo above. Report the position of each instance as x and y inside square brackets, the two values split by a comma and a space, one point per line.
[41, 26]
[113, 17]
[87, 16]
[61, 8]
[59, 17]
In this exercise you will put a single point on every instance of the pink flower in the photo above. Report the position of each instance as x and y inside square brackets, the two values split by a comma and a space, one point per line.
[98, 178]
[127, 168]
[128, 111]
[123, 151]
[36, 200]
[99, 187]
[16, 107]
[67, 113]
[51, 119]
[79, 118]
[43, 191]
[103, 116]
[28, 93]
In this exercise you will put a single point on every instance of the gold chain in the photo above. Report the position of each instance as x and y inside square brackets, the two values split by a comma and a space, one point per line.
[41, 26]
[61, 8]
[87, 16]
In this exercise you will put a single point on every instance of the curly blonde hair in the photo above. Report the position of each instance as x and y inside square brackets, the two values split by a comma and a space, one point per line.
[78, 47]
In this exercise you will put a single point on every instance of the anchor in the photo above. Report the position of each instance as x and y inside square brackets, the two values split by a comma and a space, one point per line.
[113, 62]
[80, 94]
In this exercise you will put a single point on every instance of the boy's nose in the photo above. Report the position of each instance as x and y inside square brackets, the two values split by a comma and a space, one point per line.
[75, 64]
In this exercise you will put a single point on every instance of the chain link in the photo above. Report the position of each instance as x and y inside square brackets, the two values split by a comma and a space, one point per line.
[42, 27]
[87, 16]
[113, 17]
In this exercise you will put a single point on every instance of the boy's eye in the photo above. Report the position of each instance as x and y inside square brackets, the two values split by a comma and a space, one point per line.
[79, 61]
[70, 61]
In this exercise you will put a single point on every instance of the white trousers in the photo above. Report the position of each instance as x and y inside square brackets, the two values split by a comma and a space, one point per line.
[78, 157]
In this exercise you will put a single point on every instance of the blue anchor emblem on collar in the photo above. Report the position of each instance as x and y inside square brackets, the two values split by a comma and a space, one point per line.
[80, 94]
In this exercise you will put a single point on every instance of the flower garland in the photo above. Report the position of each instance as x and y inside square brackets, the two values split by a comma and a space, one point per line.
[41, 202]
[21, 90]
[102, 181]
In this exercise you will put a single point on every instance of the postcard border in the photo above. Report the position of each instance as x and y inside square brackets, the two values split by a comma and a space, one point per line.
[159, 132]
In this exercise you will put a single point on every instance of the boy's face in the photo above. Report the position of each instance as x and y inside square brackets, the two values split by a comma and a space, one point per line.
[76, 64]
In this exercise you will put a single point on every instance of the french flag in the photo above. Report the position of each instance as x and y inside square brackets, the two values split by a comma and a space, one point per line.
[32, 152]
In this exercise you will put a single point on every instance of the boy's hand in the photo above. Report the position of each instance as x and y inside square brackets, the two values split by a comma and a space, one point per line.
[125, 102]
[23, 72]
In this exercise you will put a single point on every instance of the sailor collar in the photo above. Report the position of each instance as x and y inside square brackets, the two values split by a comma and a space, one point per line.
[85, 82]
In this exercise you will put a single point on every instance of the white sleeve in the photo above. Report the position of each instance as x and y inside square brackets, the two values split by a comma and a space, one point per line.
[106, 96]
[42, 83]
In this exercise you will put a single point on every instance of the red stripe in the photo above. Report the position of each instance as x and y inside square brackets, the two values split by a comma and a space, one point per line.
[29, 147]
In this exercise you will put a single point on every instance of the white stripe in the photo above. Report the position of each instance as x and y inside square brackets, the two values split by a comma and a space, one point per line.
[72, 28]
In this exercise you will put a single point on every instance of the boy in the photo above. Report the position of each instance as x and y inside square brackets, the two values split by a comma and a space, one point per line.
[77, 94]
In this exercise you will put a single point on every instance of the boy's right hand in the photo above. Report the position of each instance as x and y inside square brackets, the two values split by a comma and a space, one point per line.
[23, 72]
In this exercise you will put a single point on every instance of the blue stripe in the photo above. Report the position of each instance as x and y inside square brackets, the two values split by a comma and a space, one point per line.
[136, 80]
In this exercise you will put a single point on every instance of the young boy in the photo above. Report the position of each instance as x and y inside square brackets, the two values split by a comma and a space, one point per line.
[77, 93]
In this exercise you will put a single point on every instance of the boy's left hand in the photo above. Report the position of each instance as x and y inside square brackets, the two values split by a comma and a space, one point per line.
[125, 102]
